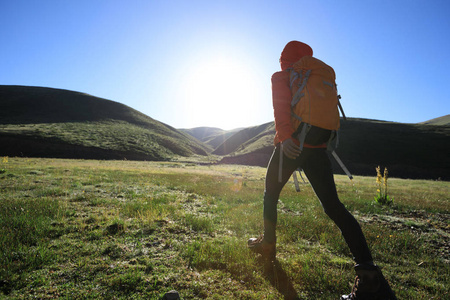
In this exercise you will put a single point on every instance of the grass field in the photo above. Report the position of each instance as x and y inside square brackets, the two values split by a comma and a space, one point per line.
[136, 230]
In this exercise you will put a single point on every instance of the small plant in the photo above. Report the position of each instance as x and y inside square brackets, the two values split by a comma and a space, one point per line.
[4, 162]
[382, 191]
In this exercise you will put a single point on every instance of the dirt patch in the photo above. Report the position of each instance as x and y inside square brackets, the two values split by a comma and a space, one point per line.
[434, 228]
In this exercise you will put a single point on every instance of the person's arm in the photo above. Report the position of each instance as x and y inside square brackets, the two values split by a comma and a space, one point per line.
[281, 98]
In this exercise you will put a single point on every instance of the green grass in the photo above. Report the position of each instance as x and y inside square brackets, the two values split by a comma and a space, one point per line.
[129, 229]
[119, 136]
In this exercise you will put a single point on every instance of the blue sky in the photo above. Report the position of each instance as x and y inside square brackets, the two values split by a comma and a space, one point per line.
[209, 63]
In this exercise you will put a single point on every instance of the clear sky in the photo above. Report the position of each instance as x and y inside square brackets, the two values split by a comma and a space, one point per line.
[208, 63]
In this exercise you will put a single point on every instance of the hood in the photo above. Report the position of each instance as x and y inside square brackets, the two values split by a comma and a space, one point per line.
[292, 52]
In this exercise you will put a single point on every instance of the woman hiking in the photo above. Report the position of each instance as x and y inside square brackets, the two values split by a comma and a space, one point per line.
[312, 158]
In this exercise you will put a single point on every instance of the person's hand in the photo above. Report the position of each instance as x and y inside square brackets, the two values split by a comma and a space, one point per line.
[290, 149]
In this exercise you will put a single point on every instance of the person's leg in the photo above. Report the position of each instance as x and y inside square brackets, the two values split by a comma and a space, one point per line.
[370, 284]
[273, 189]
[317, 167]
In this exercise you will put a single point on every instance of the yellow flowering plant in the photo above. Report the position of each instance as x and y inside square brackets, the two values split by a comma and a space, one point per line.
[4, 162]
[382, 188]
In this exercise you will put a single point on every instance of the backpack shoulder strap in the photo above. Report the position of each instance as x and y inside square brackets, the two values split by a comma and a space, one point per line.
[303, 79]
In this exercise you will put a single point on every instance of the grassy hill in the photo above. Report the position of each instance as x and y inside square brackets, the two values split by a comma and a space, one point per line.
[46, 122]
[444, 120]
[243, 137]
[407, 150]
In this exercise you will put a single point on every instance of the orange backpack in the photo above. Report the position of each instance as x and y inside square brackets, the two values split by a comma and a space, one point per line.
[315, 99]
[315, 102]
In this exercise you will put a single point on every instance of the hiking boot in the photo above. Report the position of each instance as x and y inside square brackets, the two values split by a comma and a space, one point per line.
[370, 284]
[261, 246]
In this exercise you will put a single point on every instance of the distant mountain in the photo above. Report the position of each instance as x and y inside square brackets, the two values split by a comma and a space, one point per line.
[203, 133]
[445, 120]
[211, 136]
[47, 122]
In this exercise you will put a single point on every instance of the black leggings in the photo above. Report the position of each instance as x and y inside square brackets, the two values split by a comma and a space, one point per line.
[317, 167]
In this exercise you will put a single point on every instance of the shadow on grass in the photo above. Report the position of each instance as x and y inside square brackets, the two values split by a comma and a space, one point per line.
[274, 273]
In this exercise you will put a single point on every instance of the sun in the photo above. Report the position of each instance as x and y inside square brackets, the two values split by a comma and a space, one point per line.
[221, 92]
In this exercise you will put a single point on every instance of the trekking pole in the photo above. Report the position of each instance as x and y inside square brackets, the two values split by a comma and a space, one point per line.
[342, 165]
[297, 186]
[340, 107]
[300, 173]
[280, 166]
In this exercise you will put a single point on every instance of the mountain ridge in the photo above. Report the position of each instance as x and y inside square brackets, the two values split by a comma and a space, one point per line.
[48, 122]
[408, 150]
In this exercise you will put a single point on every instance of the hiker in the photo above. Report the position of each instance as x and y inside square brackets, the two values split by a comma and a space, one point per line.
[312, 158]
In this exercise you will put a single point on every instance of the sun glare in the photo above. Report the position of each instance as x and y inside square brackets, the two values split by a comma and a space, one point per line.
[221, 92]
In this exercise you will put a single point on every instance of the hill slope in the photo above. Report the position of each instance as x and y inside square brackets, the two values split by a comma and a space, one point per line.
[444, 120]
[242, 138]
[46, 122]
[407, 150]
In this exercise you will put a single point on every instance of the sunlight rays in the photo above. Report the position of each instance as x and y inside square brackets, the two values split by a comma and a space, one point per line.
[221, 91]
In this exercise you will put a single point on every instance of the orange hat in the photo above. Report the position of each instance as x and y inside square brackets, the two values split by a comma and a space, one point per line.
[292, 52]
